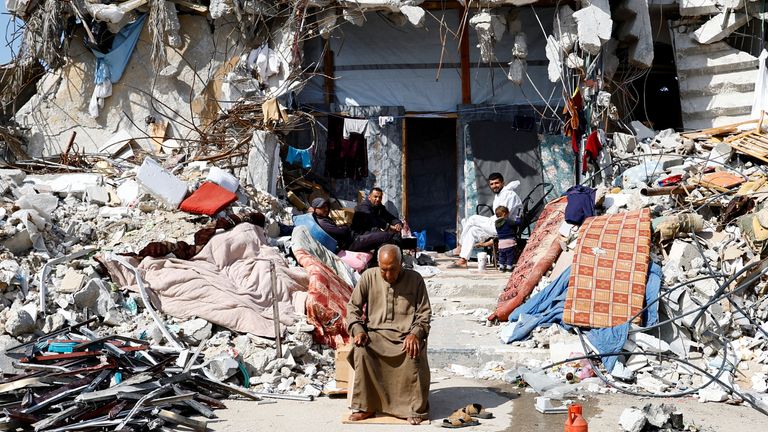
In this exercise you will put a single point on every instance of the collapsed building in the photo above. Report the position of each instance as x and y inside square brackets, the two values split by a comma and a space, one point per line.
[120, 107]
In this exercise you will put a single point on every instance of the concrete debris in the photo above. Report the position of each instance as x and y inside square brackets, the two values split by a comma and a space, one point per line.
[594, 26]
[719, 27]
[564, 29]
[490, 28]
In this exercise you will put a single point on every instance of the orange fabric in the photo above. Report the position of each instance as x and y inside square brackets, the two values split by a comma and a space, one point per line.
[540, 253]
[209, 199]
[610, 270]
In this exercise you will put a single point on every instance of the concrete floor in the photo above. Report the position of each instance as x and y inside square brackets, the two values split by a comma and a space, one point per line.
[512, 407]
[460, 337]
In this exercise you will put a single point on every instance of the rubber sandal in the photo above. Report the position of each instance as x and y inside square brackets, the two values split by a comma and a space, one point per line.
[459, 419]
[477, 410]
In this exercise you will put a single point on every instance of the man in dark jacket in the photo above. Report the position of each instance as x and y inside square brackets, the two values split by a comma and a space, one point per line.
[373, 225]
[321, 209]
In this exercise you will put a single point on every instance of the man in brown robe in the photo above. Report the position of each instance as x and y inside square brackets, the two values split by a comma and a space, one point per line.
[390, 356]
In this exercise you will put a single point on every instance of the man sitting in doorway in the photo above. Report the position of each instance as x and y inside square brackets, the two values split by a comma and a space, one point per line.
[373, 225]
[321, 209]
[388, 316]
[477, 228]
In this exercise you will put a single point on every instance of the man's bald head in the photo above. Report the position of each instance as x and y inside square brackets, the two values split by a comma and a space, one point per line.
[390, 262]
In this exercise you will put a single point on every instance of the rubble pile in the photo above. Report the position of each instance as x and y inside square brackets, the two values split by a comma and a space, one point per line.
[74, 379]
[654, 417]
[65, 320]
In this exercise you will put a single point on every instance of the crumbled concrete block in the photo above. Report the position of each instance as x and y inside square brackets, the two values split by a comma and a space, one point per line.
[16, 175]
[651, 384]
[54, 322]
[698, 7]
[649, 343]
[594, 26]
[641, 131]
[638, 33]
[19, 244]
[197, 330]
[554, 55]
[162, 184]
[658, 415]
[223, 366]
[682, 254]
[44, 204]
[516, 72]
[719, 27]
[86, 297]
[632, 420]
[712, 393]
[6, 363]
[760, 383]
[75, 184]
[97, 195]
[73, 280]
[624, 142]
[19, 322]
[223, 179]
[565, 29]
[414, 14]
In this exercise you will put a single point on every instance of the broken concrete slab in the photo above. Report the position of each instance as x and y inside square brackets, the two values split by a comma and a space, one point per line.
[73, 280]
[165, 186]
[19, 322]
[698, 7]
[16, 175]
[594, 26]
[565, 29]
[44, 204]
[75, 184]
[632, 420]
[719, 27]
[97, 195]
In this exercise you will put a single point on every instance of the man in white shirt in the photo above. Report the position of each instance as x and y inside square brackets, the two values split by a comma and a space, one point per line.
[477, 228]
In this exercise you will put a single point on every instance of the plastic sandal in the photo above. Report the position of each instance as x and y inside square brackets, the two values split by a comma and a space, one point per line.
[459, 419]
[477, 410]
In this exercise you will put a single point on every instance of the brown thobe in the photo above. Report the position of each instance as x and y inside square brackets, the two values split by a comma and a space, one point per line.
[386, 379]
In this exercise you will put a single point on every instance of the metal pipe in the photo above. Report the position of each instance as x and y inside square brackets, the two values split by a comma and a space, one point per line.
[668, 190]
[286, 397]
[275, 310]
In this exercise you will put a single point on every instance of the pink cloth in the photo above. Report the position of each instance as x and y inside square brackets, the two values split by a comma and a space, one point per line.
[226, 283]
[357, 260]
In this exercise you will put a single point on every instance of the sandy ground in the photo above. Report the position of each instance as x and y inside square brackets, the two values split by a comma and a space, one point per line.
[513, 409]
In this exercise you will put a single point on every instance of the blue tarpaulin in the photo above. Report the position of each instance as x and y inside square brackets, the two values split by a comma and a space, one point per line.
[110, 66]
[546, 308]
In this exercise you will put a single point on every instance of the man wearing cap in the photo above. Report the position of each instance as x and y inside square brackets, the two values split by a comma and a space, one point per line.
[321, 209]
[373, 225]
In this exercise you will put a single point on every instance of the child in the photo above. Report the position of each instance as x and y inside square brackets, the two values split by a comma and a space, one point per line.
[506, 234]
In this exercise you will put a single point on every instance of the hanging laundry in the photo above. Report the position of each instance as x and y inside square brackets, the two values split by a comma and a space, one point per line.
[273, 113]
[351, 126]
[575, 120]
[111, 65]
[345, 158]
[591, 150]
[264, 61]
[385, 120]
[300, 156]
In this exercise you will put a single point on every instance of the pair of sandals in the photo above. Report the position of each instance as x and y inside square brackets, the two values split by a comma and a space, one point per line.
[466, 416]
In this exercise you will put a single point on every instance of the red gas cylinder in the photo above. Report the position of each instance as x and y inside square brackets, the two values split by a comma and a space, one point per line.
[575, 422]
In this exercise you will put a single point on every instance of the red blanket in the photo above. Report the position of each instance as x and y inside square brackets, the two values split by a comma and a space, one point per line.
[540, 252]
[609, 271]
[327, 302]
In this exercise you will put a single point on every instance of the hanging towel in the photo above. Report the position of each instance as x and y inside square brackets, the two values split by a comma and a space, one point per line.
[111, 65]
[299, 156]
[354, 126]
[273, 112]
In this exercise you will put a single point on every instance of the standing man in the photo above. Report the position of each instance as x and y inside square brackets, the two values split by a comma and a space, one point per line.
[477, 228]
[388, 316]
[373, 225]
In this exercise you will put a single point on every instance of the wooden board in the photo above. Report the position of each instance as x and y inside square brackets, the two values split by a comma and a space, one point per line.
[751, 143]
[379, 419]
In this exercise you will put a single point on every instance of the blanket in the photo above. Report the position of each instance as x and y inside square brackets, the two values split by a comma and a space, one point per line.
[301, 239]
[540, 252]
[327, 302]
[610, 270]
[226, 283]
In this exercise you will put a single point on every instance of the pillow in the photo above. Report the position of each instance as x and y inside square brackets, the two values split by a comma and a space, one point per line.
[209, 199]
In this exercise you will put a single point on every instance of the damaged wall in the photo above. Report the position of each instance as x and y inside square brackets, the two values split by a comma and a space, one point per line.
[61, 105]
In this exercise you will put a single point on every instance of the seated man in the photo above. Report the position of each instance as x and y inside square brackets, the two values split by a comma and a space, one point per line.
[477, 228]
[373, 225]
[321, 209]
[388, 316]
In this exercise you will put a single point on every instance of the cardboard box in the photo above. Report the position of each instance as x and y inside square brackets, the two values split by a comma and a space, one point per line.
[342, 216]
[343, 368]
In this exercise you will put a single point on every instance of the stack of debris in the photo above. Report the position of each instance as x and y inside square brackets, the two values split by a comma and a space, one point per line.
[673, 238]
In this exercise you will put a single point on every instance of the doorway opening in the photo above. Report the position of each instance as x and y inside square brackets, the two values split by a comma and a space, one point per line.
[430, 167]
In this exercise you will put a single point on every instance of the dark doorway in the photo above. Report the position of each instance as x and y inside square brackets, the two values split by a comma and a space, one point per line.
[431, 177]
[659, 91]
